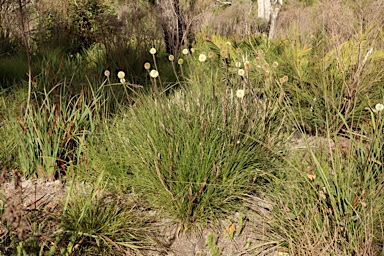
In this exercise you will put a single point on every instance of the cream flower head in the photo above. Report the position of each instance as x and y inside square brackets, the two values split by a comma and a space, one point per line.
[246, 65]
[154, 73]
[238, 64]
[202, 57]
[152, 51]
[107, 73]
[185, 51]
[379, 107]
[240, 94]
[121, 74]
[180, 61]
[171, 57]
[147, 65]
[241, 72]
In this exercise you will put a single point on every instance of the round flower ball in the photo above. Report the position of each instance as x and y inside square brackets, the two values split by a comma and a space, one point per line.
[240, 94]
[121, 74]
[185, 51]
[107, 73]
[147, 65]
[152, 51]
[379, 107]
[154, 73]
[241, 72]
[202, 57]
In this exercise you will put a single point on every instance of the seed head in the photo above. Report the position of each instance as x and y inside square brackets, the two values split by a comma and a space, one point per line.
[121, 74]
[185, 51]
[154, 73]
[241, 72]
[202, 57]
[379, 107]
[147, 65]
[240, 94]
[152, 51]
[246, 65]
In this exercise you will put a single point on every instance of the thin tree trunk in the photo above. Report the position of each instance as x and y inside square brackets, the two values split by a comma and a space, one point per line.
[274, 14]
[268, 11]
[172, 24]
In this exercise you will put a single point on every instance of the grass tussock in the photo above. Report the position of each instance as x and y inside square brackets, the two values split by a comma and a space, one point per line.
[137, 133]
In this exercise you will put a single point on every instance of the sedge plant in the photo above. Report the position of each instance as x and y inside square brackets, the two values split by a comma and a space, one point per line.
[193, 156]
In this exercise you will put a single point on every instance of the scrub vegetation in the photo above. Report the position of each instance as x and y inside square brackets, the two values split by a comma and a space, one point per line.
[145, 130]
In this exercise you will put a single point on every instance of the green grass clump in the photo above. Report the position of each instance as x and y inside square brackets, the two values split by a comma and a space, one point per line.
[195, 156]
[98, 223]
[329, 201]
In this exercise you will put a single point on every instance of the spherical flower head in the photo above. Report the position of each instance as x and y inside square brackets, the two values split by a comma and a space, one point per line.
[238, 64]
[265, 66]
[210, 55]
[192, 50]
[107, 73]
[147, 65]
[171, 57]
[379, 107]
[180, 61]
[185, 51]
[152, 51]
[121, 74]
[228, 46]
[202, 57]
[154, 73]
[223, 53]
[275, 64]
[241, 72]
[285, 78]
[247, 65]
[240, 94]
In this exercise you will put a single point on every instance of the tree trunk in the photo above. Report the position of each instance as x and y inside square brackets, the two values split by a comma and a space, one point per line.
[172, 24]
[267, 11]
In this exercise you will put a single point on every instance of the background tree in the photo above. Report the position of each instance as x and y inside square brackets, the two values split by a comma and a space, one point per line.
[175, 18]
[268, 11]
